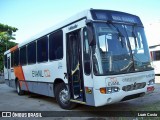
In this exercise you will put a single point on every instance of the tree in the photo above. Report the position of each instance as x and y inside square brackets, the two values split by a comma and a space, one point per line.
[6, 34]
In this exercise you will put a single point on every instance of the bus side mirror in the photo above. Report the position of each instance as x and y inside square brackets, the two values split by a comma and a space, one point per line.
[91, 40]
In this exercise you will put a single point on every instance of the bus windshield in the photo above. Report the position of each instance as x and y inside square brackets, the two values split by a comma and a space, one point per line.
[119, 49]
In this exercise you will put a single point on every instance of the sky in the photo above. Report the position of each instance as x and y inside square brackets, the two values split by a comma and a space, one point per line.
[34, 16]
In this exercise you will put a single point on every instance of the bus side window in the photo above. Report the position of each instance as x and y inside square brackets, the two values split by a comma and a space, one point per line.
[12, 59]
[16, 57]
[31, 53]
[42, 49]
[23, 56]
[56, 45]
[86, 52]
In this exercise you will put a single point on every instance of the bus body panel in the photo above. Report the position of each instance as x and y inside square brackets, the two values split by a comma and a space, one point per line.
[120, 81]
[104, 99]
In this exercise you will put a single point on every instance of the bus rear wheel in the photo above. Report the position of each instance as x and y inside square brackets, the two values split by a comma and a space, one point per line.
[18, 88]
[63, 97]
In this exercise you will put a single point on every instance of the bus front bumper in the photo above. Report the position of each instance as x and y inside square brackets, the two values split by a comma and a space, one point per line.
[104, 99]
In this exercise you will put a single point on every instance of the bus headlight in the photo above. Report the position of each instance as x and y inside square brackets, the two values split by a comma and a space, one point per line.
[151, 82]
[112, 89]
[109, 90]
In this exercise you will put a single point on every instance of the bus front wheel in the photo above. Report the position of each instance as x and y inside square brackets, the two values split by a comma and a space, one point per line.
[63, 97]
[18, 88]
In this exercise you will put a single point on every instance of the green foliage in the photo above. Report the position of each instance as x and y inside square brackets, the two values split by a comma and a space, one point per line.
[6, 34]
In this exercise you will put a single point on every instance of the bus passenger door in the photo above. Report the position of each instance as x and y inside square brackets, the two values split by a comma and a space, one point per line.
[74, 66]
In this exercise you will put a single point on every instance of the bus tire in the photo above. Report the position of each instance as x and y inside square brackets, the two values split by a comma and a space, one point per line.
[18, 88]
[63, 97]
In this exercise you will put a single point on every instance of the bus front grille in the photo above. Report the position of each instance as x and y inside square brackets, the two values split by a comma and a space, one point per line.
[134, 86]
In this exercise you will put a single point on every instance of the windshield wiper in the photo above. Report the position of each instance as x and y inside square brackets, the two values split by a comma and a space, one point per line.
[129, 67]
[119, 32]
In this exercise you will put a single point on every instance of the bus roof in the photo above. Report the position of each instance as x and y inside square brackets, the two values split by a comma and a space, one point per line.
[91, 14]
[81, 15]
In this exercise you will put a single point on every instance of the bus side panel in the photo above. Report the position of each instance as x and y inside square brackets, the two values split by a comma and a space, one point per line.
[6, 76]
[11, 82]
[26, 86]
[39, 78]
[90, 100]
[7, 82]
[28, 82]
[31, 74]
[39, 88]
[9, 75]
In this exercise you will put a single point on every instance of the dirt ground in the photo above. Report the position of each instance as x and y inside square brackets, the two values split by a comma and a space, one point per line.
[10, 101]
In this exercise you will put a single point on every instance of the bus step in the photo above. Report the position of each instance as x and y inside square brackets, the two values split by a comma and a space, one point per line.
[78, 101]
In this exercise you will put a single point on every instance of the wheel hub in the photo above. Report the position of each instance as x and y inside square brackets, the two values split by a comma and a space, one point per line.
[64, 96]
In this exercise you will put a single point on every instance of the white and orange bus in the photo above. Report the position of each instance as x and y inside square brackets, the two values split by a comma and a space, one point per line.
[96, 57]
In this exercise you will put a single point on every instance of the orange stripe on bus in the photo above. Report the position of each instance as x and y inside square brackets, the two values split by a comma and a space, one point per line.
[14, 48]
[18, 71]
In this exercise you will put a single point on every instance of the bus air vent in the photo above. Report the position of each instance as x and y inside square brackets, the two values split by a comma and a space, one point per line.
[134, 86]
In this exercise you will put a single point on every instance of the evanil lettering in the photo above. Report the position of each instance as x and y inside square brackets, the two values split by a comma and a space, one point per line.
[38, 73]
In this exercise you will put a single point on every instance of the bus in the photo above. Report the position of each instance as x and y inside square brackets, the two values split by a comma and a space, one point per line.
[96, 57]
[155, 56]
